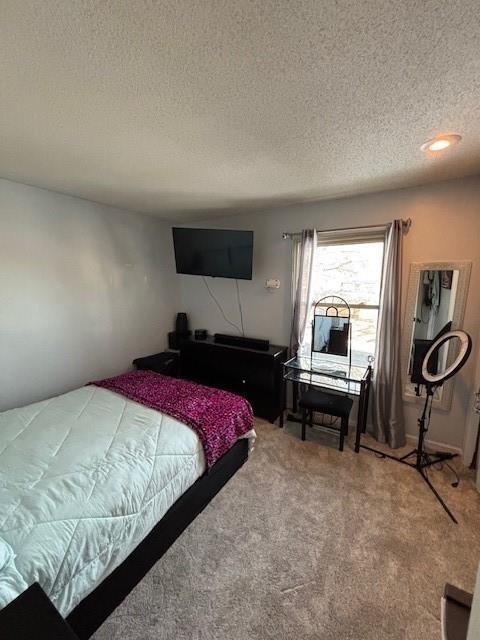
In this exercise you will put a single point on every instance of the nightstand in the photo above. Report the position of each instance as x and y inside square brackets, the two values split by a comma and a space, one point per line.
[32, 615]
[455, 613]
[167, 362]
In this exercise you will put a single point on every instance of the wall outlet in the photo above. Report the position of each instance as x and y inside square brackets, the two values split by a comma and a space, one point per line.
[272, 283]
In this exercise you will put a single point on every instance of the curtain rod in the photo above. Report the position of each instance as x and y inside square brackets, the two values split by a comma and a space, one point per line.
[406, 224]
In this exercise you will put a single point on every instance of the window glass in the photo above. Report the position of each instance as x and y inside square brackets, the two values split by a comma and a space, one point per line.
[351, 270]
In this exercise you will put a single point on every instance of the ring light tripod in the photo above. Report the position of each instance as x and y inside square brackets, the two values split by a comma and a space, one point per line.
[432, 381]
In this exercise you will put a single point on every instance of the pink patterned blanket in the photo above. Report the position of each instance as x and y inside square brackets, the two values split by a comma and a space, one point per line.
[218, 417]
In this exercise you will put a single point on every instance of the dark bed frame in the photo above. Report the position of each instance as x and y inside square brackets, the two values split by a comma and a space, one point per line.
[21, 618]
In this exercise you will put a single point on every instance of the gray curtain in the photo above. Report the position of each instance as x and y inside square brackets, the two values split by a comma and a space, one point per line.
[303, 259]
[388, 421]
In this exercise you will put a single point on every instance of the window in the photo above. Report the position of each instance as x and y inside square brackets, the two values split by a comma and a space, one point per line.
[351, 268]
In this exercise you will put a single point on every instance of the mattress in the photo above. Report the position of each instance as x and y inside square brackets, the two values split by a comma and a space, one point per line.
[84, 477]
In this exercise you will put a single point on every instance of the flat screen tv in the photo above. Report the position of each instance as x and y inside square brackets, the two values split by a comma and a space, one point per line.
[219, 253]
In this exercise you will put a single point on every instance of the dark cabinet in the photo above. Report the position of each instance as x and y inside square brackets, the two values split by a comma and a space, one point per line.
[256, 375]
[165, 362]
[32, 616]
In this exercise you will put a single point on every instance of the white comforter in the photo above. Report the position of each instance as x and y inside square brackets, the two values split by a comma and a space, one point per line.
[83, 478]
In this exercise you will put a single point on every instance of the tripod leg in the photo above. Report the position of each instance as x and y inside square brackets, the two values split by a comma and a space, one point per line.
[438, 458]
[438, 497]
[409, 455]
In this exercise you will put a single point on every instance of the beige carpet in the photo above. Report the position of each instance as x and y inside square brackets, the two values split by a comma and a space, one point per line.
[306, 542]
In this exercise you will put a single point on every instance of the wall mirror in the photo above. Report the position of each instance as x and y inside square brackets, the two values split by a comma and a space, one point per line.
[436, 294]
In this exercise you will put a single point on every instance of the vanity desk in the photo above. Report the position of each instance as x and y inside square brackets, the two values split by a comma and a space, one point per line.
[343, 378]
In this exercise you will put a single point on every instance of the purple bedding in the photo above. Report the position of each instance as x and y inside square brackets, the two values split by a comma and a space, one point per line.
[218, 417]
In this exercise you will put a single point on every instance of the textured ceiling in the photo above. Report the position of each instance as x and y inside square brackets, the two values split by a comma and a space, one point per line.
[176, 108]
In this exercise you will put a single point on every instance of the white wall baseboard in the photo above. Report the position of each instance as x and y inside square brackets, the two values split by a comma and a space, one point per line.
[432, 444]
[412, 440]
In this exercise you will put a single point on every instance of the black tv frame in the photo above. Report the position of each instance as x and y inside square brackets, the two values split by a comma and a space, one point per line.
[213, 275]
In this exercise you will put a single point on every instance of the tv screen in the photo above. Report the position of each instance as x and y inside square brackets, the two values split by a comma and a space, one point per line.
[219, 253]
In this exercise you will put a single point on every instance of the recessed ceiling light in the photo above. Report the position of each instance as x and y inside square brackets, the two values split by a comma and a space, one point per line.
[440, 143]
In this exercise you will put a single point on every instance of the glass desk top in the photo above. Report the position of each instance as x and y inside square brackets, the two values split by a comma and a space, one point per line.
[329, 374]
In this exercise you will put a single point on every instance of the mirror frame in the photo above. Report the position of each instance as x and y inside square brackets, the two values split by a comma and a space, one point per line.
[443, 396]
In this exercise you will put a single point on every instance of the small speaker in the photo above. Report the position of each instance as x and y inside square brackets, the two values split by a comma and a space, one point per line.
[201, 334]
[181, 324]
[241, 341]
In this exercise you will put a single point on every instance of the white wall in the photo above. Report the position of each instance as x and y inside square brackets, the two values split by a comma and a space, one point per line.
[84, 288]
[446, 226]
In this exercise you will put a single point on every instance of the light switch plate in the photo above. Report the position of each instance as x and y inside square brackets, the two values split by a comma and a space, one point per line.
[272, 283]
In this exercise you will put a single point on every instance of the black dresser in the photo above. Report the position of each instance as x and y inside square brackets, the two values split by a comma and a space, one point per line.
[254, 374]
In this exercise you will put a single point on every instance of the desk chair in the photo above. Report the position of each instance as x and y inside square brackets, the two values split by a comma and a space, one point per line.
[330, 335]
[327, 403]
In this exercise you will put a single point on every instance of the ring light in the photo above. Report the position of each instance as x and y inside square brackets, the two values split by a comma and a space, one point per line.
[465, 349]
[424, 459]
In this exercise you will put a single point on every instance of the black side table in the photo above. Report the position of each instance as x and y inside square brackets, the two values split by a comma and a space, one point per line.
[33, 616]
[455, 613]
[167, 362]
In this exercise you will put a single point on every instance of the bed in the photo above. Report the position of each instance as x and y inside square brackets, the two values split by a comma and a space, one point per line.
[94, 489]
